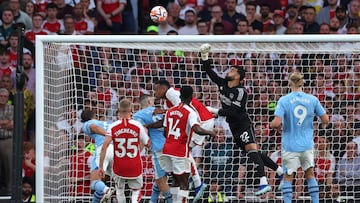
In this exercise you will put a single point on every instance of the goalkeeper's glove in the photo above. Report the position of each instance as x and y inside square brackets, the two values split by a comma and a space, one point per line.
[204, 51]
[213, 110]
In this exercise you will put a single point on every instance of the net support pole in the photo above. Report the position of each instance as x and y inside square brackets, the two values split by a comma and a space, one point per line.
[18, 132]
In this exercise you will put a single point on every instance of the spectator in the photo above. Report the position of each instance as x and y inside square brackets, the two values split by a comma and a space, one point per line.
[29, 69]
[353, 12]
[242, 27]
[130, 18]
[202, 27]
[325, 29]
[326, 13]
[28, 164]
[69, 26]
[52, 23]
[5, 67]
[29, 9]
[6, 140]
[352, 28]
[173, 16]
[348, 171]
[29, 105]
[256, 26]
[292, 15]
[265, 16]
[28, 195]
[7, 26]
[82, 25]
[216, 18]
[90, 11]
[184, 7]
[110, 18]
[231, 14]
[205, 14]
[216, 193]
[63, 9]
[79, 174]
[37, 28]
[324, 167]
[278, 18]
[7, 83]
[190, 24]
[40, 7]
[13, 48]
[19, 15]
[310, 25]
[341, 15]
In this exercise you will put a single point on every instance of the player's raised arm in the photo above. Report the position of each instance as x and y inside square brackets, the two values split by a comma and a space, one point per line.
[206, 65]
[97, 129]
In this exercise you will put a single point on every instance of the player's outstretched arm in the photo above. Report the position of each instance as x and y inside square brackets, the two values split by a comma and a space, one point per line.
[97, 129]
[276, 122]
[206, 65]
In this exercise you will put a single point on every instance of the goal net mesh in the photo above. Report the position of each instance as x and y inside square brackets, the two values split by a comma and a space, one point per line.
[97, 75]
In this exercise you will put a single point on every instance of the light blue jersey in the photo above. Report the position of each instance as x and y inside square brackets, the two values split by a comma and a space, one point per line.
[145, 116]
[99, 139]
[297, 110]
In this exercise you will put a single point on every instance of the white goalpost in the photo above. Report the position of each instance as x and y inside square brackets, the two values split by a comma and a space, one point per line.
[79, 72]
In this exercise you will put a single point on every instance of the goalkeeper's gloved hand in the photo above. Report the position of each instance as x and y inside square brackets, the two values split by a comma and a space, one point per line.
[204, 51]
[213, 110]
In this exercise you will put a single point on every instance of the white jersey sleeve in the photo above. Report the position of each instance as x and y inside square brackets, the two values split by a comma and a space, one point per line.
[173, 96]
[193, 118]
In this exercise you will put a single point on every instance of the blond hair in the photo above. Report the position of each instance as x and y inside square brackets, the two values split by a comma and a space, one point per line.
[124, 106]
[297, 79]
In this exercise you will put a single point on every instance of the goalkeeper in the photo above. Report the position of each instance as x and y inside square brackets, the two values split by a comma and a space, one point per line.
[233, 98]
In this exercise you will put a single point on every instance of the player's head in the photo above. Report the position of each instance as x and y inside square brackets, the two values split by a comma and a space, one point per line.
[161, 86]
[296, 80]
[186, 93]
[146, 100]
[27, 186]
[87, 115]
[235, 73]
[124, 110]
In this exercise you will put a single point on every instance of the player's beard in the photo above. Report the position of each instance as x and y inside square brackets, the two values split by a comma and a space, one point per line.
[229, 78]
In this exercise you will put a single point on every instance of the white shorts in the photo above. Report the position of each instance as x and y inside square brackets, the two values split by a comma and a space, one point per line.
[291, 161]
[133, 183]
[177, 166]
[157, 157]
[107, 161]
[197, 151]
[199, 139]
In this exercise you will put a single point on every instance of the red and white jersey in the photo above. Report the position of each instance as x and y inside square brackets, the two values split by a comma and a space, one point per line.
[30, 34]
[40, 7]
[173, 99]
[178, 122]
[53, 27]
[13, 56]
[127, 135]
[7, 70]
[84, 26]
[109, 6]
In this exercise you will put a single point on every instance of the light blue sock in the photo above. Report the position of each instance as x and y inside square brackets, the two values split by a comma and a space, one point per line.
[313, 190]
[99, 187]
[287, 192]
[168, 197]
[155, 193]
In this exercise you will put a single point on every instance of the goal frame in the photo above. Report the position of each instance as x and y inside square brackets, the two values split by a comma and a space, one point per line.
[42, 39]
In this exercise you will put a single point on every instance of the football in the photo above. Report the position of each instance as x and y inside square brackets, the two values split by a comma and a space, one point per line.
[158, 14]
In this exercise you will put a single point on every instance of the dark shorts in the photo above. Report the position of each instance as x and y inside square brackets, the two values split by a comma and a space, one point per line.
[244, 136]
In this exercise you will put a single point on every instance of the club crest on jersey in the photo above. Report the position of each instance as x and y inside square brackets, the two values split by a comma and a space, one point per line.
[231, 95]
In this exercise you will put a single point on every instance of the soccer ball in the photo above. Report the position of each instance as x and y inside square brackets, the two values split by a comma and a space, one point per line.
[158, 14]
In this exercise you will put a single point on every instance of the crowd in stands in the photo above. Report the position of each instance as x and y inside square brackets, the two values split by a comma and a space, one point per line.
[105, 75]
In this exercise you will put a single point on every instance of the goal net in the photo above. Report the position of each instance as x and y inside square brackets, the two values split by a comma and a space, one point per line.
[94, 72]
